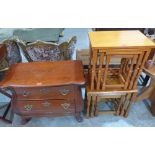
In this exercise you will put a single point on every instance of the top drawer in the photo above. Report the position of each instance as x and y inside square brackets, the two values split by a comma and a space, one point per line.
[59, 92]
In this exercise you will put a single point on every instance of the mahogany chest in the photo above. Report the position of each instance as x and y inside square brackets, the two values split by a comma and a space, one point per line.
[46, 89]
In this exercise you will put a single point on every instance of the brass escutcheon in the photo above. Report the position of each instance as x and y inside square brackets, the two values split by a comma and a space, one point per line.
[65, 105]
[28, 107]
[64, 91]
[46, 104]
[26, 93]
[44, 90]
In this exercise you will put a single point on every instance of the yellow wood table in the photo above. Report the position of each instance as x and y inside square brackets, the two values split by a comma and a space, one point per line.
[104, 42]
[107, 44]
[119, 39]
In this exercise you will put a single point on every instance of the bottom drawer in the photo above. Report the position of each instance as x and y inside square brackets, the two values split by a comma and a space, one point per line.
[44, 107]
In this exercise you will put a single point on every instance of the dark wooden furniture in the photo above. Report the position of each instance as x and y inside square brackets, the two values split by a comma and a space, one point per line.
[3, 67]
[46, 88]
[119, 82]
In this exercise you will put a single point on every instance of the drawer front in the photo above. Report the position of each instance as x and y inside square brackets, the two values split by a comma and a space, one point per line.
[44, 107]
[63, 92]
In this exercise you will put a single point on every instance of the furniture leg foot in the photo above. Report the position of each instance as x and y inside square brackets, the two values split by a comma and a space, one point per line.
[87, 116]
[88, 106]
[25, 120]
[92, 115]
[96, 112]
[78, 117]
[126, 115]
[94, 100]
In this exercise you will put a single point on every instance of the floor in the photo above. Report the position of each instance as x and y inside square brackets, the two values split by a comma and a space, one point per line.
[139, 115]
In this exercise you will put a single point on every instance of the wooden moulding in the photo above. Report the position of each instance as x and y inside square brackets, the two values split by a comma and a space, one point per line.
[111, 92]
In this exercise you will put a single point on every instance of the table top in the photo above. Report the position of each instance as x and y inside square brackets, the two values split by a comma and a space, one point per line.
[119, 39]
[35, 74]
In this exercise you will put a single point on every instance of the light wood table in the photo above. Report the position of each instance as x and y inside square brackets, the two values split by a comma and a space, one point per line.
[119, 39]
[105, 43]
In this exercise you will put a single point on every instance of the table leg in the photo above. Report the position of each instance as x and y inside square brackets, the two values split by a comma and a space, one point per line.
[88, 105]
[132, 100]
[125, 104]
[93, 105]
[96, 108]
[120, 105]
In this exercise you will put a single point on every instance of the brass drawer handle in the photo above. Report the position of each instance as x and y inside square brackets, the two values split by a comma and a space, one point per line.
[44, 90]
[28, 107]
[65, 105]
[64, 91]
[46, 104]
[26, 93]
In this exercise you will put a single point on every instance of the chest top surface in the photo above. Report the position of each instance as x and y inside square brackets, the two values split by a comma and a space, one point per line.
[119, 39]
[44, 74]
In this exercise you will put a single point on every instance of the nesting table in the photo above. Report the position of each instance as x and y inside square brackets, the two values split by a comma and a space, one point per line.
[45, 89]
[133, 47]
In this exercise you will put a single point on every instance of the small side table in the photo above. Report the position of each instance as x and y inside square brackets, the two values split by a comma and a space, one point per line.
[45, 89]
[133, 48]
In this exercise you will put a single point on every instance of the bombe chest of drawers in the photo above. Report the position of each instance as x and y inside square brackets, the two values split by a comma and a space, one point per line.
[46, 89]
